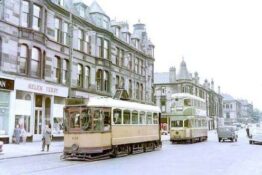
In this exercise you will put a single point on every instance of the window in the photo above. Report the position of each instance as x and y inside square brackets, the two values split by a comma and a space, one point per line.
[163, 90]
[106, 81]
[97, 120]
[187, 102]
[117, 116]
[23, 121]
[128, 38]
[79, 75]
[57, 69]
[36, 17]
[60, 2]
[65, 70]
[99, 47]
[149, 118]
[106, 53]
[99, 80]
[80, 40]
[141, 67]
[155, 118]
[65, 34]
[117, 82]
[82, 11]
[86, 120]
[142, 118]
[177, 123]
[23, 59]
[163, 105]
[141, 91]
[87, 43]
[122, 82]
[130, 89]
[25, 14]
[87, 76]
[57, 29]
[35, 62]
[136, 65]
[75, 119]
[137, 90]
[122, 57]
[134, 117]
[129, 61]
[127, 117]
[117, 56]
[136, 43]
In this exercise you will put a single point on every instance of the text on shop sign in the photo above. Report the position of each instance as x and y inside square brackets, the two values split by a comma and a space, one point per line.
[40, 88]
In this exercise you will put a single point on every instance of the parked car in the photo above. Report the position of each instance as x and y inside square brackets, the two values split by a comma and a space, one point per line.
[227, 133]
[256, 136]
[1, 146]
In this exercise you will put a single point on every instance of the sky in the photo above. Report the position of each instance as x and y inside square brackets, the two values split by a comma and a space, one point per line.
[220, 39]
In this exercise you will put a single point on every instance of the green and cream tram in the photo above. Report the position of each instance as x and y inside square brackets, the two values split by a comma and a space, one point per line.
[188, 122]
[99, 126]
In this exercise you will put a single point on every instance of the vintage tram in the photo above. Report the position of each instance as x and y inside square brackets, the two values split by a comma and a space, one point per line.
[188, 122]
[100, 127]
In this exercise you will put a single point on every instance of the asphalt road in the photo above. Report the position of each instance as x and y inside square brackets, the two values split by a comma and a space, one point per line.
[205, 158]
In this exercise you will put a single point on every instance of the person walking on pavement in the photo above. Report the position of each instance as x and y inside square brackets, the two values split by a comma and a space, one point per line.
[247, 130]
[46, 140]
[23, 134]
[17, 134]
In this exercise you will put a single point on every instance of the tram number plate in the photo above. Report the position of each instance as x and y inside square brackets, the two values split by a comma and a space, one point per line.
[75, 138]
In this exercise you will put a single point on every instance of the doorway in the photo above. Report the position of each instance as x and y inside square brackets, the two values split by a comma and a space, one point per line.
[38, 121]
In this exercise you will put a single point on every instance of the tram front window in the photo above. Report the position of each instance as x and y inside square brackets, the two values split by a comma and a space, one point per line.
[86, 123]
[177, 123]
[187, 102]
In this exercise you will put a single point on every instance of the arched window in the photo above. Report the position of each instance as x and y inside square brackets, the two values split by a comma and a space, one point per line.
[99, 77]
[23, 59]
[36, 62]
[79, 75]
[87, 76]
[106, 81]
[137, 90]
[130, 89]
[141, 91]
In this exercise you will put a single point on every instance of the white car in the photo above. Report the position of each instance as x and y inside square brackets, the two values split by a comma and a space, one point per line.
[256, 136]
[1, 146]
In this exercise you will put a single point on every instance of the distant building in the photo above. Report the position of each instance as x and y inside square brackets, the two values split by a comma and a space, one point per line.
[246, 111]
[54, 49]
[231, 109]
[168, 83]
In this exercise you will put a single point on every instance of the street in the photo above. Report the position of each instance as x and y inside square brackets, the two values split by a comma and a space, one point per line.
[210, 157]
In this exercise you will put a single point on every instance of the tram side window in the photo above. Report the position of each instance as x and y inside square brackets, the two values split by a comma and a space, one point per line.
[142, 118]
[117, 118]
[177, 123]
[149, 118]
[205, 123]
[86, 123]
[127, 117]
[75, 120]
[97, 120]
[186, 123]
[106, 116]
[134, 117]
[66, 114]
[187, 102]
[155, 118]
[199, 123]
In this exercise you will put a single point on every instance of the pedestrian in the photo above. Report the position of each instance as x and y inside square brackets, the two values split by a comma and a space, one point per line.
[23, 134]
[46, 137]
[17, 134]
[247, 130]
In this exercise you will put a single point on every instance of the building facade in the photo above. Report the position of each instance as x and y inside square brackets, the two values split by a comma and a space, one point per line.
[54, 49]
[231, 109]
[169, 83]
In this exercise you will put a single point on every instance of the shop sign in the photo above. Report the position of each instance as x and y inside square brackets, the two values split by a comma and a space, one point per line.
[6, 84]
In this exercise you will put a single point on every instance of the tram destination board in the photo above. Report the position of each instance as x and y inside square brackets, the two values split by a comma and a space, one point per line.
[75, 101]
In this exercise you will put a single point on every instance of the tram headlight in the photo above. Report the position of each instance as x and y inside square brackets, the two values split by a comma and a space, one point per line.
[75, 147]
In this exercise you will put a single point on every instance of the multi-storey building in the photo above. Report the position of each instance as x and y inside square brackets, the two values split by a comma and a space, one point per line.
[168, 83]
[246, 111]
[231, 109]
[53, 49]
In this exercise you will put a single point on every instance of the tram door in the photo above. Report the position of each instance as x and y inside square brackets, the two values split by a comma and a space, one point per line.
[38, 121]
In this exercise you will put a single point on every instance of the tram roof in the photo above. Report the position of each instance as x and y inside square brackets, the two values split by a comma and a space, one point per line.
[186, 96]
[109, 102]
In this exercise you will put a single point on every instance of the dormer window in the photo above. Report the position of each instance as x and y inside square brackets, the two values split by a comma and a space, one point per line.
[104, 23]
[136, 43]
[60, 2]
[128, 38]
[82, 11]
[117, 32]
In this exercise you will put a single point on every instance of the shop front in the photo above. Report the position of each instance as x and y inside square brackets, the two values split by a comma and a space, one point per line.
[38, 104]
[6, 88]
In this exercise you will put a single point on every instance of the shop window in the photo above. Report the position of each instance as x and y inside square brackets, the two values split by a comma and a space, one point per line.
[58, 125]
[38, 101]
[117, 116]
[4, 112]
[23, 121]
[127, 117]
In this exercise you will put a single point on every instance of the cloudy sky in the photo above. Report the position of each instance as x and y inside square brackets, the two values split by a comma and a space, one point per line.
[220, 39]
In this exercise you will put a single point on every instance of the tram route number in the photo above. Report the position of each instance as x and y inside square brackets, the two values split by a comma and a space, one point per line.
[75, 138]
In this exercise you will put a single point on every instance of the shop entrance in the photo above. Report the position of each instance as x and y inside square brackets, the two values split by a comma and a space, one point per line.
[38, 121]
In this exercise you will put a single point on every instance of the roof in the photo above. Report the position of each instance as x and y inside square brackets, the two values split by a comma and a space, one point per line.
[109, 102]
[161, 77]
[96, 8]
[183, 72]
[227, 97]
[186, 96]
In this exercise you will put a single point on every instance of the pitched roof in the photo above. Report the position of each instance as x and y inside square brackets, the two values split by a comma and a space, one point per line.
[183, 72]
[161, 77]
[96, 8]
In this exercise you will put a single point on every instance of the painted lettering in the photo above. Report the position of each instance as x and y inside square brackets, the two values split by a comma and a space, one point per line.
[2, 84]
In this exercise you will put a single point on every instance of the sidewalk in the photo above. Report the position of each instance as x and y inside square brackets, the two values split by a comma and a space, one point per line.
[29, 149]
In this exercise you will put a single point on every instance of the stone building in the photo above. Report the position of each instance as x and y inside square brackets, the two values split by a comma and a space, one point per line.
[231, 109]
[168, 83]
[53, 49]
